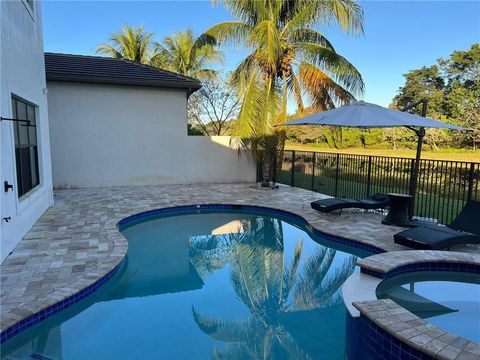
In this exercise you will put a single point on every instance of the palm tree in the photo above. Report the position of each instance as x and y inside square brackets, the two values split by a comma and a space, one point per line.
[130, 43]
[182, 53]
[288, 58]
[270, 288]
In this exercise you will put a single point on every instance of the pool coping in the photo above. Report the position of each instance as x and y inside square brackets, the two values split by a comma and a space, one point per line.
[398, 322]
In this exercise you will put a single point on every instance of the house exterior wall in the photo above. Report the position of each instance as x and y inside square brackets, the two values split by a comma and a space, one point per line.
[108, 135]
[22, 74]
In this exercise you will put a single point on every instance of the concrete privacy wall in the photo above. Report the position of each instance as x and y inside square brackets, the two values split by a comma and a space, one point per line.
[106, 135]
[22, 74]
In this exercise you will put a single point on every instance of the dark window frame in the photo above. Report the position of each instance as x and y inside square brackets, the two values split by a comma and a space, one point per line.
[26, 145]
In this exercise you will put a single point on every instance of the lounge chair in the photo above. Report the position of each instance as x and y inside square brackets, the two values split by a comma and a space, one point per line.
[465, 229]
[376, 201]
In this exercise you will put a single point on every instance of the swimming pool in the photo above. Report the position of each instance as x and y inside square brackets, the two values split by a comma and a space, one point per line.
[448, 300]
[211, 284]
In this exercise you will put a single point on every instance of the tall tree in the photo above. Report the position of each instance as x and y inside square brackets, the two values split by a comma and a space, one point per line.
[181, 52]
[424, 83]
[130, 43]
[452, 88]
[288, 57]
[214, 107]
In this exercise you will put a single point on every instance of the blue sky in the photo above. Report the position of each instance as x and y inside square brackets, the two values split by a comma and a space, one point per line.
[399, 35]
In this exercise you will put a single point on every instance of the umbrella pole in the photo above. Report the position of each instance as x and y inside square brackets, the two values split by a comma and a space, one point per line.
[414, 177]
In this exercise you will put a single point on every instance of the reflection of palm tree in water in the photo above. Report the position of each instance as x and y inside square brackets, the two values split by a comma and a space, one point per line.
[269, 288]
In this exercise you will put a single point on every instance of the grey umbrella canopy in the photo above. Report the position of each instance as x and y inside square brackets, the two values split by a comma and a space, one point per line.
[364, 115]
[361, 114]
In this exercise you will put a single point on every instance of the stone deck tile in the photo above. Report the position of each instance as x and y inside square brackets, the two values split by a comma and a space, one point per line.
[76, 241]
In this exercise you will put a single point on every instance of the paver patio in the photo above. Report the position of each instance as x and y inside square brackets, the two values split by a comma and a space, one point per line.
[76, 241]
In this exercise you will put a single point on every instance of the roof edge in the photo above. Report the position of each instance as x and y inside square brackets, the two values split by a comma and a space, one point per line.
[184, 82]
[122, 82]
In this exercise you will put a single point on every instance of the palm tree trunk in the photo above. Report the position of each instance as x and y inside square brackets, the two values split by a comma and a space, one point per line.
[266, 167]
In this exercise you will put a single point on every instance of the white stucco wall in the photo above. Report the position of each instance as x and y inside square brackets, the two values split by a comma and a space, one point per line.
[22, 73]
[106, 135]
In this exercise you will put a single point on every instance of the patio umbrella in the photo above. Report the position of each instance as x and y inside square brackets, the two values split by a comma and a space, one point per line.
[364, 115]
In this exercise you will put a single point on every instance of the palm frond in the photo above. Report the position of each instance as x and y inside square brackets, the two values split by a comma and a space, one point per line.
[248, 276]
[295, 88]
[227, 33]
[266, 39]
[290, 273]
[108, 50]
[130, 43]
[282, 115]
[339, 68]
[228, 331]
[242, 75]
[309, 36]
[291, 347]
[347, 14]
[324, 91]
[261, 102]
[250, 12]
[313, 272]
[181, 52]
[329, 292]
[251, 107]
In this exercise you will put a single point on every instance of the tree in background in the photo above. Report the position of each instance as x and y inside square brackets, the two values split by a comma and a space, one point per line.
[214, 108]
[130, 43]
[182, 53]
[288, 58]
[472, 121]
[462, 95]
[452, 88]
[193, 131]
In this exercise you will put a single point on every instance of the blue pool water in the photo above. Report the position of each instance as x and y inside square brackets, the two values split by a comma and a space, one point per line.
[209, 285]
[448, 300]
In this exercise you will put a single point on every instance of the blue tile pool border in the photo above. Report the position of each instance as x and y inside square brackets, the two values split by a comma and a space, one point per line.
[450, 266]
[205, 208]
[57, 307]
[378, 342]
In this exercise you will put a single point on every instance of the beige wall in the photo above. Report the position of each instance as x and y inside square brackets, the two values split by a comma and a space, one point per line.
[105, 135]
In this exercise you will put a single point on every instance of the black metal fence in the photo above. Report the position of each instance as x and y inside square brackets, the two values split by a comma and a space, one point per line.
[442, 188]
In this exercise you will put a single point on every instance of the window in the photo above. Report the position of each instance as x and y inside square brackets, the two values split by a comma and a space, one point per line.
[26, 153]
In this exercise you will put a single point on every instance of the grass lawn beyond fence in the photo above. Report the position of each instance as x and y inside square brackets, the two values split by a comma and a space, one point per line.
[442, 188]
[441, 154]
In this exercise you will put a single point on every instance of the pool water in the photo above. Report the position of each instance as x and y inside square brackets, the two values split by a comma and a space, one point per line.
[227, 285]
[450, 301]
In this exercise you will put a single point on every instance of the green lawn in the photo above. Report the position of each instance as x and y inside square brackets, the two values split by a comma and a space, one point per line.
[442, 154]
